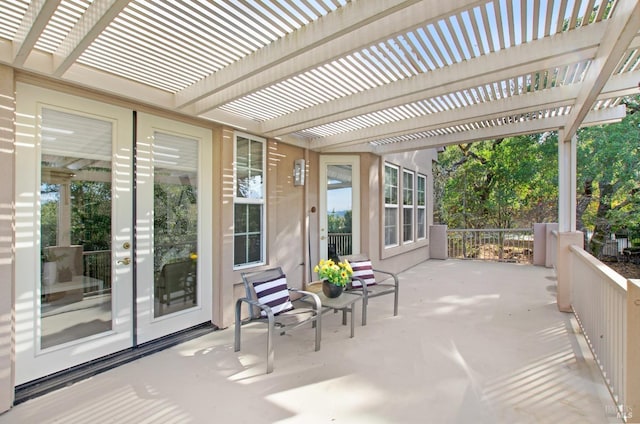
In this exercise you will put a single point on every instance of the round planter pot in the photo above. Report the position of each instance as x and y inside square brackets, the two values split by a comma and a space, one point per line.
[331, 290]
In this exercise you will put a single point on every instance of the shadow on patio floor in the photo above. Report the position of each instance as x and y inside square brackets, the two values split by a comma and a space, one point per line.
[475, 342]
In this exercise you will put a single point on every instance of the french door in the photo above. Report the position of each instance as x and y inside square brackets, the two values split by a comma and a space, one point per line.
[339, 206]
[173, 214]
[91, 282]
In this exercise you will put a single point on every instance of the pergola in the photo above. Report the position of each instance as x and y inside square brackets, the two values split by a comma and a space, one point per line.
[348, 76]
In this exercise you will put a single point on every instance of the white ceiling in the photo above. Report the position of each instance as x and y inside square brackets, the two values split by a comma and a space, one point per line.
[336, 75]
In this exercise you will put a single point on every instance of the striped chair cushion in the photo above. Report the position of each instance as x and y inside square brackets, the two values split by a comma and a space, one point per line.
[363, 270]
[273, 293]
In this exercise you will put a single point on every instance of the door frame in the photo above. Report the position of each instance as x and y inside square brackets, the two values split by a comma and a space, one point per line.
[31, 361]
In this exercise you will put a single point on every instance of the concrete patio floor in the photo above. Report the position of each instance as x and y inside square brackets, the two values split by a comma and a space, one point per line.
[475, 342]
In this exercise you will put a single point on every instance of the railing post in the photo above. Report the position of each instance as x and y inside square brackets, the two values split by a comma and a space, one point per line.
[552, 245]
[438, 242]
[563, 267]
[631, 408]
[539, 244]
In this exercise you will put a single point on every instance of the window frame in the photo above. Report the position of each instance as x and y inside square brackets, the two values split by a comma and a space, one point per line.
[249, 200]
[392, 206]
[421, 223]
[408, 206]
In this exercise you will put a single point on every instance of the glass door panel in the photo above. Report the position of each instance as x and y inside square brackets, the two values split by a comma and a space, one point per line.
[75, 213]
[339, 204]
[339, 211]
[175, 223]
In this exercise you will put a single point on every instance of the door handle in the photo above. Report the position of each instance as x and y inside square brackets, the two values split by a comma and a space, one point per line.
[125, 261]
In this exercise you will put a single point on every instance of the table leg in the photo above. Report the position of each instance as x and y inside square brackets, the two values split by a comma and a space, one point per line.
[353, 314]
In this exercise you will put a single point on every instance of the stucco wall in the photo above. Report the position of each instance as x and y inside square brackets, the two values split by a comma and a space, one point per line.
[287, 210]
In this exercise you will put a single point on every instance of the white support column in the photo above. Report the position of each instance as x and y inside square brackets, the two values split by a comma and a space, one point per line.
[567, 234]
[567, 159]
[7, 236]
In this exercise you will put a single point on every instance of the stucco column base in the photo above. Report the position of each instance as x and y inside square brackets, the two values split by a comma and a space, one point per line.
[563, 267]
[438, 242]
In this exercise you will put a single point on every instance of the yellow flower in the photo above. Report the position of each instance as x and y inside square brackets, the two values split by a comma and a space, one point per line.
[337, 273]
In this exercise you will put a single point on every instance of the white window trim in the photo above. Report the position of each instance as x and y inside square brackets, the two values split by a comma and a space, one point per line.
[395, 206]
[410, 206]
[245, 201]
[423, 207]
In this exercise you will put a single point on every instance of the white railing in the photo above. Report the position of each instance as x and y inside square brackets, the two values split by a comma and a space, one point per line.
[505, 245]
[340, 243]
[599, 299]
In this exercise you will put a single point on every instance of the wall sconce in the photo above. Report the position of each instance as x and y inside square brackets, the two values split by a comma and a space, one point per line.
[298, 172]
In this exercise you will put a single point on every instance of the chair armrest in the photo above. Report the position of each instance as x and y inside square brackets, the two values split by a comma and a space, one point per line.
[363, 285]
[317, 305]
[252, 302]
[391, 274]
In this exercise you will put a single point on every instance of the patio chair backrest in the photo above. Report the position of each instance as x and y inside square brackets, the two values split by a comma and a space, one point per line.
[249, 278]
[174, 275]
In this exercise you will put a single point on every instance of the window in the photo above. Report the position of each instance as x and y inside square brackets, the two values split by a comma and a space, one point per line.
[390, 205]
[407, 206]
[421, 207]
[249, 201]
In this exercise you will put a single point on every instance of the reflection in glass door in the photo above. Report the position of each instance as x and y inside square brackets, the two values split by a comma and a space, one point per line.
[175, 222]
[75, 213]
[339, 206]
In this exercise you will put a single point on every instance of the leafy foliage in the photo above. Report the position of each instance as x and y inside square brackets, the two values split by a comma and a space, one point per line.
[503, 183]
[339, 223]
[512, 182]
[609, 177]
[338, 273]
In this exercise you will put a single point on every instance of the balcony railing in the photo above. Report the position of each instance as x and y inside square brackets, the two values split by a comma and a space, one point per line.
[504, 245]
[606, 306]
[339, 244]
[97, 264]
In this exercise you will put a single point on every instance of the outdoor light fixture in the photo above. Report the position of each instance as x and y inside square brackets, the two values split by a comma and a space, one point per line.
[298, 172]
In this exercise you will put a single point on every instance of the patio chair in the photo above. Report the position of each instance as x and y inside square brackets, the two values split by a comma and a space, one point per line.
[175, 282]
[364, 279]
[271, 301]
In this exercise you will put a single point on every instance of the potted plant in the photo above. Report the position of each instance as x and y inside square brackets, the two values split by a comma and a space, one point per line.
[334, 276]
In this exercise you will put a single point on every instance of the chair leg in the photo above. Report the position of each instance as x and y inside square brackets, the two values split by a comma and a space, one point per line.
[236, 344]
[270, 355]
[364, 311]
[395, 304]
[318, 323]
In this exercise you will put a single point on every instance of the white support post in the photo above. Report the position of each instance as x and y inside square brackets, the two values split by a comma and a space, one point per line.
[567, 234]
[567, 158]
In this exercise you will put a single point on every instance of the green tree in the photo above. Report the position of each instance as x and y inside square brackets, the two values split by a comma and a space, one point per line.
[609, 177]
[501, 183]
[339, 223]
[91, 215]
